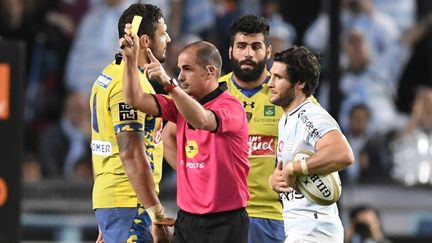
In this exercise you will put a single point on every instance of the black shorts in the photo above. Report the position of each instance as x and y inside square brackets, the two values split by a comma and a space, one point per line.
[230, 226]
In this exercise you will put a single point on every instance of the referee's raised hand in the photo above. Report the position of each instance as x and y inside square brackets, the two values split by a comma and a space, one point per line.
[155, 70]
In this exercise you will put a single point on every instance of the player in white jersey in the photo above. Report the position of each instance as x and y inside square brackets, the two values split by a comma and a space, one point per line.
[305, 125]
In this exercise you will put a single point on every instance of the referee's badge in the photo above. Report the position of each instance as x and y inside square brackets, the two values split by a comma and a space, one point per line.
[191, 149]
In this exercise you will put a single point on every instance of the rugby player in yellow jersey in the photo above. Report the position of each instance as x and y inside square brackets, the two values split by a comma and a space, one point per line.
[126, 146]
[249, 51]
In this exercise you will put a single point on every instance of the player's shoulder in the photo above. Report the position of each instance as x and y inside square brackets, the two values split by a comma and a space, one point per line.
[109, 77]
[225, 78]
[312, 106]
[227, 96]
[316, 114]
[309, 111]
[229, 99]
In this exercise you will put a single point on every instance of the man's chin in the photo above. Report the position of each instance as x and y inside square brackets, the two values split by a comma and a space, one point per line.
[162, 59]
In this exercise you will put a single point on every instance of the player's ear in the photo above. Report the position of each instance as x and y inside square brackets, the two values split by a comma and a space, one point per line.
[268, 52]
[144, 41]
[211, 69]
[230, 52]
[301, 85]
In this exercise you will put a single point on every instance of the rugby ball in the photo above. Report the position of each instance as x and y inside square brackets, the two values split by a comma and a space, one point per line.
[320, 189]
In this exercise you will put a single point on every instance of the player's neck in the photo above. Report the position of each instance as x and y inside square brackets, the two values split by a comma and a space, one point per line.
[143, 58]
[298, 100]
[211, 86]
[252, 84]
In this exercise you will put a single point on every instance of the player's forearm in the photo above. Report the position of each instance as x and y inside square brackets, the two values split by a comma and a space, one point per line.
[131, 86]
[193, 112]
[138, 170]
[333, 154]
[137, 167]
[327, 162]
[133, 93]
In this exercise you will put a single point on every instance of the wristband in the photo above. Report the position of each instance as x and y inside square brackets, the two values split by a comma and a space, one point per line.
[172, 85]
[156, 212]
[304, 166]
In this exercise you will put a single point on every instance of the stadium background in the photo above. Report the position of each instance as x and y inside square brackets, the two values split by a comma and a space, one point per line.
[36, 207]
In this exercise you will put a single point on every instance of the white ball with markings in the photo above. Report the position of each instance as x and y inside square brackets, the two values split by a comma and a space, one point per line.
[320, 189]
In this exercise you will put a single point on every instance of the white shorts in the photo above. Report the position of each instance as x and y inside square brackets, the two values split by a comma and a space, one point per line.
[317, 228]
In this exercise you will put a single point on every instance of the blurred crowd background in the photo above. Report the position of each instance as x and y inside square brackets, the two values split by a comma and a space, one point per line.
[380, 91]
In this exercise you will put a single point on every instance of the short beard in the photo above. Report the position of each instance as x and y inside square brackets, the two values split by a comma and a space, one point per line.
[162, 58]
[286, 99]
[248, 75]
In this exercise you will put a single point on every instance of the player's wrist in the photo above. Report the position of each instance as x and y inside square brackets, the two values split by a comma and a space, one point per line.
[290, 168]
[170, 85]
[298, 167]
[303, 165]
[156, 212]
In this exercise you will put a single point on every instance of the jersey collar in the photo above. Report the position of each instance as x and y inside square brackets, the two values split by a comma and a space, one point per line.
[249, 92]
[308, 100]
[214, 94]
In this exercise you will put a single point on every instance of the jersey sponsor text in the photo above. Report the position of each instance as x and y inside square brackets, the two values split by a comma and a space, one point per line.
[103, 148]
[195, 165]
[103, 80]
[261, 145]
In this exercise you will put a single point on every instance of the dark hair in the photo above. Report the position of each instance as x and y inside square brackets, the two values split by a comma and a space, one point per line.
[250, 24]
[301, 66]
[206, 54]
[354, 212]
[151, 15]
[359, 106]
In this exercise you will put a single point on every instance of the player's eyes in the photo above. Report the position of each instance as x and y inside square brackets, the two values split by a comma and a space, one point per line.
[256, 47]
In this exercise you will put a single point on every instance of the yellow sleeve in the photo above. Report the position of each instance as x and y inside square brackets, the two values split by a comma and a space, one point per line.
[123, 116]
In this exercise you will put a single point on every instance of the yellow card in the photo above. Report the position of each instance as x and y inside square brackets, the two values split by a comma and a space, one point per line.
[136, 21]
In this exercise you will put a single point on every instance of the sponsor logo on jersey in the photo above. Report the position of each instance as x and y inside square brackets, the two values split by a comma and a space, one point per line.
[158, 134]
[269, 110]
[261, 145]
[103, 80]
[245, 104]
[191, 149]
[195, 165]
[99, 147]
[309, 125]
[127, 113]
[280, 146]
[266, 120]
[289, 196]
